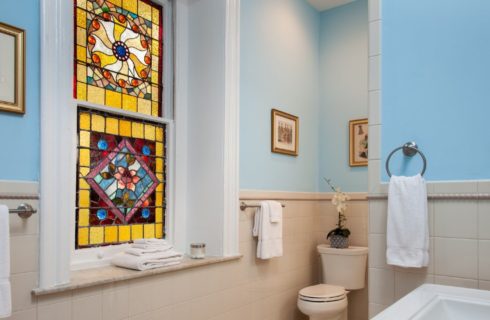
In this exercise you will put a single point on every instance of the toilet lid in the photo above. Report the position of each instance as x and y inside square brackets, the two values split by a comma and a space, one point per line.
[323, 292]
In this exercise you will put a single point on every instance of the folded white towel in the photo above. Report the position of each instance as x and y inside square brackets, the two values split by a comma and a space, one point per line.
[5, 290]
[151, 241]
[141, 252]
[151, 247]
[269, 244]
[275, 211]
[148, 261]
[407, 234]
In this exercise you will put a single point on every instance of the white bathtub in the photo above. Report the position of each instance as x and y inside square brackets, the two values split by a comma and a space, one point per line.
[435, 302]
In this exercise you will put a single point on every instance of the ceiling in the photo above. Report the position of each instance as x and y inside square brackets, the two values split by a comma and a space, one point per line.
[322, 5]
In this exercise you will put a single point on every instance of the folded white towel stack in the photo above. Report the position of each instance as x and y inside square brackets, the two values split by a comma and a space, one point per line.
[407, 234]
[5, 293]
[148, 254]
[268, 229]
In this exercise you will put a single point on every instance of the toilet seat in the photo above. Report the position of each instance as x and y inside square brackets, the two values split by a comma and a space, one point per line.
[322, 293]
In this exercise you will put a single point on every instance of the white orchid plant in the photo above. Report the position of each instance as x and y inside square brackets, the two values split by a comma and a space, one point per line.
[339, 200]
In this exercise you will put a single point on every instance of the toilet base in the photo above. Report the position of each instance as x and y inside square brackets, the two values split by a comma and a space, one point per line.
[342, 316]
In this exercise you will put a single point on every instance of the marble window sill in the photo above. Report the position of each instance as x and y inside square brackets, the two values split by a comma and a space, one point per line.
[110, 274]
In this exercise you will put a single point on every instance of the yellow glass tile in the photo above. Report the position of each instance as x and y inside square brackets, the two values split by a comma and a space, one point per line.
[155, 30]
[159, 134]
[129, 102]
[84, 171]
[154, 62]
[84, 138]
[124, 233]
[81, 91]
[111, 234]
[98, 123]
[84, 121]
[117, 2]
[144, 10]
[130, 5]
[81, 36]
[154, 96]
[125, 128]
[159, 231]
[159, 196]
[155, 17]
[144, 106]
[136, 231]
[84, 198]
[81, 73]
[90, 6]
[83, 184]
[159, 165]
[137, 130]
[82, 236]
[160, 187]
[159, 177]
[96, 235]
[81, 18]
[149, 231]
[95, 95]
[112, 126]
[149, 132]
[84, 158]
[83, 218]
[155, 48]
[154, 109]
[81, 53]
[113, 98]
[82, 4]
[159, 215]
[159, 149]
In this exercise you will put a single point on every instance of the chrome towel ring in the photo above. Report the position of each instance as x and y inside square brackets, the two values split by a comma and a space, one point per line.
[409, 149]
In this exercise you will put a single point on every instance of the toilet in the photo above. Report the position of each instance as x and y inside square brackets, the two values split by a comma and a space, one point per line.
[343, 270]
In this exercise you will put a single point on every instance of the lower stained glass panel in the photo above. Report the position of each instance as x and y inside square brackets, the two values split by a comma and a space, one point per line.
[121, 184]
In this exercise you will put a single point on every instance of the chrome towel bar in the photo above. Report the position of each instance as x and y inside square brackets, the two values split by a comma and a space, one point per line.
[244, 206]
[409, 150]
[24, 211]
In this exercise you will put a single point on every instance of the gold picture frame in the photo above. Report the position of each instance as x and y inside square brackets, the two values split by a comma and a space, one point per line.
[358, 143]
[12, 69]
[284, 133]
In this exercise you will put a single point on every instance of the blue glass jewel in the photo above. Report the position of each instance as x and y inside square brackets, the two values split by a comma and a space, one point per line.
[101, 214]
[145, 213]
[102, 144]
[146, 150]
[121, 51]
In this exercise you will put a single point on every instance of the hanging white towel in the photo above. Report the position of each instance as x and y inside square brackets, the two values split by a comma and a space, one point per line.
[147, 261]
[407, 234]
[269, 244]
[5, 291]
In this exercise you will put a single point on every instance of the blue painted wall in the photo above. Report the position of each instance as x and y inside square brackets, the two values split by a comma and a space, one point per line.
[436, 86]
[279, 69]
[343, 91]
[19, 135]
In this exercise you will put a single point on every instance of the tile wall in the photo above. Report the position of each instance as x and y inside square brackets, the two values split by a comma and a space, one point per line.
[244, 289]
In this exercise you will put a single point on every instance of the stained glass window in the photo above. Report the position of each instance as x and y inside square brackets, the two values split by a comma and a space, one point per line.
[121, 179]
[118, 54]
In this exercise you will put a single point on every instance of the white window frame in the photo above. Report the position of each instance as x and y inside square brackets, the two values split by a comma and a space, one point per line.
[59, 141]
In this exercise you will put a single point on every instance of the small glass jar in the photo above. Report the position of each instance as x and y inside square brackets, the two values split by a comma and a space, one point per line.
[198, 250]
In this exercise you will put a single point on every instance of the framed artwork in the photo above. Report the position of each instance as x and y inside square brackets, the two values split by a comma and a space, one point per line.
[285, 133]
[12, 69]
[358, 145]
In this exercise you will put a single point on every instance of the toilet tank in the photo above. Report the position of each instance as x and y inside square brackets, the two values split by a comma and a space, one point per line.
[344, 267]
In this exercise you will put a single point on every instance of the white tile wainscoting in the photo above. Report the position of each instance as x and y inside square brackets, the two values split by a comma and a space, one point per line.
[245, 289]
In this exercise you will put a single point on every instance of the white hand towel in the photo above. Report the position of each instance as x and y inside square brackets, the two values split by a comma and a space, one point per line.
[152, 241]
[407, 234]
[5, 291]
[269, 244]
[142, 252]
[148, 261]
[151, 244]
[275, 211]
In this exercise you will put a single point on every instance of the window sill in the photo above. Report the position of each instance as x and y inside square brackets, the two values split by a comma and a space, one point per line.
[110, 274]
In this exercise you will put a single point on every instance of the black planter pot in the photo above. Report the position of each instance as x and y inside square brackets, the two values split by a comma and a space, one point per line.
[339, 242]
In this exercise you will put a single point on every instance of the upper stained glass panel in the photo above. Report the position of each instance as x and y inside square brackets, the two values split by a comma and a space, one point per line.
[118, 56]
